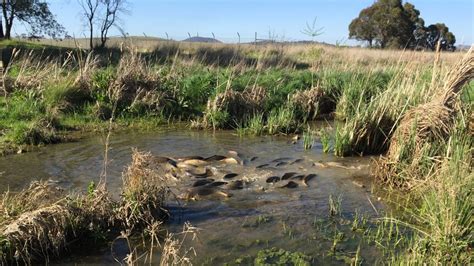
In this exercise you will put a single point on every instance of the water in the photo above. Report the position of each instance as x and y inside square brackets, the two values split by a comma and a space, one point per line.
[252, 220]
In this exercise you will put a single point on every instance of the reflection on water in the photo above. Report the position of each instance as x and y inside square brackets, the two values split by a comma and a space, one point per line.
[251, 220]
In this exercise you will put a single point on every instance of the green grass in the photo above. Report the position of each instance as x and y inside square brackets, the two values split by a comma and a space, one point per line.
[308, 139]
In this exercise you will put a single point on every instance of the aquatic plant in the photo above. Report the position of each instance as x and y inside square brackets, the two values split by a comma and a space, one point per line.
[275, 256]
[308, 140]
[281, 120]
[325, 140]
[335, 205]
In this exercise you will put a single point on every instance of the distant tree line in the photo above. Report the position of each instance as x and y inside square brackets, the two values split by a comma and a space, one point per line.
[392, 24]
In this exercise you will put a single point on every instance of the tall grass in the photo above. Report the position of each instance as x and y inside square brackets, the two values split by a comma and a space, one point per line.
[439, 216]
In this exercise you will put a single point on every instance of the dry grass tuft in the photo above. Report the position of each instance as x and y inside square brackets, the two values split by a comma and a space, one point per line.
[434, 119]
[144, 193]
[425, 125]
[313, 102]
[232, 107]
[136, 81]
[87, 67]
[40, 221]
[173, 248]
[239, 104]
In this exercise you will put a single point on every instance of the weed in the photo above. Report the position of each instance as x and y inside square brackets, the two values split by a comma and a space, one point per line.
[325, 140]
[308, 139]
[335, 205]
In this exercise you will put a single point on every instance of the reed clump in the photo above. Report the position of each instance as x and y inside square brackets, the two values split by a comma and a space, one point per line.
[423, 128]
[313, 103]
[237, 105]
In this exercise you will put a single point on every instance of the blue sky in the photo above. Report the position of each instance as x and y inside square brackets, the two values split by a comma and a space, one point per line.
[285, 18]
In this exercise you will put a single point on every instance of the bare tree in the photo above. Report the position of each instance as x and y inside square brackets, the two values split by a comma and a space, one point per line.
[112, 10]
[90, 8]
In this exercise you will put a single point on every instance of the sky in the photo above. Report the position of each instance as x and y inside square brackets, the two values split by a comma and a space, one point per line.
[282, 18]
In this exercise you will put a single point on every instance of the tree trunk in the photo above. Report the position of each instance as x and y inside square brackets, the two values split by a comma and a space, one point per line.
[8, 19]
[5, 17]
[91, 39]
[103, 40]
[2, 35]
[8, 30]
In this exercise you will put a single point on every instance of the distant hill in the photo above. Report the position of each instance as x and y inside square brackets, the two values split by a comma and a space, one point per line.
[202, 39]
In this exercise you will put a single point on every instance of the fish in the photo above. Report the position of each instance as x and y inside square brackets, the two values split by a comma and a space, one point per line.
[198, 192]
[281, 159]
[288, 175]
[214, 158]
[202, 174]
[307, 178]
[253, 158]
[161, 159]
[290, 184]
[300, 177]
[217, 184]
[202, 182]
[229, 160]
[195, 162]
[273, 179]
[238, 184]
[230, 175]
[297, 161]
[192, 157]
[281, 164]
[183, 165]
[262, 166]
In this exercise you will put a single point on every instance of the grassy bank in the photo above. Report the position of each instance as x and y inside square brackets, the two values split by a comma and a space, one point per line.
[256, 89]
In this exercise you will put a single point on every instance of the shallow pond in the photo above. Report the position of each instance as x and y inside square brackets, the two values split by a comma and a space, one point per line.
[252, 219]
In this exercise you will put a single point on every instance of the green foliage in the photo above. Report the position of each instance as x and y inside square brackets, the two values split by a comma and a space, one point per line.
[281, 120]
[90, 189]
[218, 119]
[275, 256]
[388, 23]
[359, 91]
[34, 14]
[33, 133]
[325, 139]
[335, 205]
[64, 95]
[308, 139]
[196, 89]
[256, 125]
[101, 80]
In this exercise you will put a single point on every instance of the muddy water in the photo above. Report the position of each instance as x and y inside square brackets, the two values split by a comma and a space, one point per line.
[257, 217]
